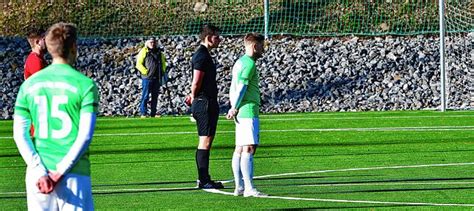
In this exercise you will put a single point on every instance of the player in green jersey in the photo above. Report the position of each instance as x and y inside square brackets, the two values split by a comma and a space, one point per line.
[62, 103]
[245, 104]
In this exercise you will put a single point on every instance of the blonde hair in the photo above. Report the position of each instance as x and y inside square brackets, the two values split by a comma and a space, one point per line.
[60, 38]
[253, 38]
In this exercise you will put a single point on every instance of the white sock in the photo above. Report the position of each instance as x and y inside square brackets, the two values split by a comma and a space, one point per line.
[246, 166]
[236, 170]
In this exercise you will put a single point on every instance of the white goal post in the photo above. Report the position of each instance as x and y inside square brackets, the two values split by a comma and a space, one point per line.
[456, 49]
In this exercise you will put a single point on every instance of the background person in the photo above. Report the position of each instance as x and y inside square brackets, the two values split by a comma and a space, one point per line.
[35, 60]
[151, 63]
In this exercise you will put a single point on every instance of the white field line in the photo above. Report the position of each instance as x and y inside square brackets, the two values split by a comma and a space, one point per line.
[365, 169]
[362, 118]
[379, 129]
[387, 184]
[309, 116]
[358, 169]
[350, 201]
[305, 199]
[357, 201]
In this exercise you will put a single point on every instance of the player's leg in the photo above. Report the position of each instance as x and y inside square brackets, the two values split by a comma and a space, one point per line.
[202, 159]
[248, 137]
[239, 184]
[213, 111]
[246, 166]
[206, 122]
[199, 110]
[154, 90]
[35, 199]
[75, 193]
[145, 94]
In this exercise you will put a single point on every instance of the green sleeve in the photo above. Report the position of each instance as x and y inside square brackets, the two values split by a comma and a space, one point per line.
[245, 73]
[90, 101]
[21, 105]
[140, 60]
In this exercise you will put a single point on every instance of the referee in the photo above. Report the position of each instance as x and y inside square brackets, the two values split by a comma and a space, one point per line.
[203, 101]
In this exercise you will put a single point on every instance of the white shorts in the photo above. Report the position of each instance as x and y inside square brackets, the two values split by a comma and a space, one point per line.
[247, 131]
[73, 192]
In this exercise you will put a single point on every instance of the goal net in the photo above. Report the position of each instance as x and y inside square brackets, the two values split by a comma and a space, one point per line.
[459, 53]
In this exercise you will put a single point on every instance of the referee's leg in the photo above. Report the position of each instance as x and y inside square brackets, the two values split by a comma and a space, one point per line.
[206, 121]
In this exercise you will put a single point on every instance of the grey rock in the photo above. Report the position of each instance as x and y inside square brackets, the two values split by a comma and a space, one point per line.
[297, 74]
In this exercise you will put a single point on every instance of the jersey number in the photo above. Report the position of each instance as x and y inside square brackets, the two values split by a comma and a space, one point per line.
[43, 116]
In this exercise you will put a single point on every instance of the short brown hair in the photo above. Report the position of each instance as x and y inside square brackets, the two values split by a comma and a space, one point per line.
[253, 38]
[33, 35]
[208, 30]
[60, 38]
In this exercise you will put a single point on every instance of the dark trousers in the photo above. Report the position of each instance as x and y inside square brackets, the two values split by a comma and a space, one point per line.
[149, 86]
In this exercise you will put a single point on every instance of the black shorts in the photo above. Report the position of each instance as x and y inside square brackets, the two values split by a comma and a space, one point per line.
[206, 113]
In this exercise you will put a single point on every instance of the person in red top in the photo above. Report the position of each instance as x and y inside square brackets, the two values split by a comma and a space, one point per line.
[35, 60]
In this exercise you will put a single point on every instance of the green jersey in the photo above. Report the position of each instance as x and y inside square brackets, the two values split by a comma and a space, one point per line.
[53, 99]
[245, 72]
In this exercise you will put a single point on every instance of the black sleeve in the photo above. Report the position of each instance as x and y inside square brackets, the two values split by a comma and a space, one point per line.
[199, 62]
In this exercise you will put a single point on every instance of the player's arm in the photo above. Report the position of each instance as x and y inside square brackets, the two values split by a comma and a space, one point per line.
[21, 135]
[198, 76]
[235, 100]
[199, 70]
[243, 77]
[88, 114]
[82, 142]
[141, 60]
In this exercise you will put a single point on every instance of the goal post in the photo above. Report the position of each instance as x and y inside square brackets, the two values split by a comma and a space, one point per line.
[456, 48]
[442, 30]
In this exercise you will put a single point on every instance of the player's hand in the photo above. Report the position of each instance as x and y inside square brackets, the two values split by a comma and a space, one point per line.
[45, 185]
[189, 100]
[232, 113]
[55, 176]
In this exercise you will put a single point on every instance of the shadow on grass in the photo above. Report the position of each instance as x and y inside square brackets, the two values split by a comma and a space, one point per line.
[146, 183]
[357, 182]
[346, 207]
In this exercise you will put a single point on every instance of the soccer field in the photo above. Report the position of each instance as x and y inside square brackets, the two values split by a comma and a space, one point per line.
[381, 160]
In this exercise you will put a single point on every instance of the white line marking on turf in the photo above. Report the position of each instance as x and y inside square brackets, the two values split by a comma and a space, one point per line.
[379, 129]
[364, 169]
[349, 201]
[310, 116]
[355, 201]
[360, 118]
[308, 199]
[387, 184]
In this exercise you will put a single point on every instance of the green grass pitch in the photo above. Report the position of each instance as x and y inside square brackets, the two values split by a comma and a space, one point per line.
[367, 160]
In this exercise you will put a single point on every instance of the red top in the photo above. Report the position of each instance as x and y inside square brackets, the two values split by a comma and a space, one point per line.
[34, 63]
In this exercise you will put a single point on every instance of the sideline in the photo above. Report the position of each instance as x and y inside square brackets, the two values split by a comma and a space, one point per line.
[373, 129]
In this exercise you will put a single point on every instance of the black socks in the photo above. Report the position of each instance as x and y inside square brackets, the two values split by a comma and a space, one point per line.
[202, 163]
